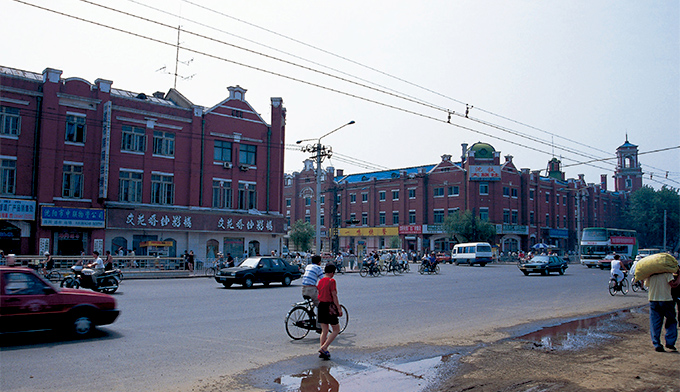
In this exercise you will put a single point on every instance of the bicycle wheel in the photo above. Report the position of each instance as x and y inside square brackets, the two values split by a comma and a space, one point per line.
[421, 269]
[344, 320]
[363, 272]
[210, 271]
[624, 287]
[298, 323]
[53, 275]
[437, 269]
[612, 286]
[634, 286]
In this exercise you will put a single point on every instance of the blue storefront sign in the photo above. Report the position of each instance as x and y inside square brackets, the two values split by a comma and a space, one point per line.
[73, 217]
[558, 233]
[14, 209]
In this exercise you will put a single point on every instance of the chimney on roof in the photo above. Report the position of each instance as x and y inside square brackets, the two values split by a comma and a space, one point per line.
[603, 182]
[462, 157]
[159, 94]
[339, 173]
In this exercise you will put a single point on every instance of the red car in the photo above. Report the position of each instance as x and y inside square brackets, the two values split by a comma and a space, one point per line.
[443, 257]
[607, 262]
[29, 302]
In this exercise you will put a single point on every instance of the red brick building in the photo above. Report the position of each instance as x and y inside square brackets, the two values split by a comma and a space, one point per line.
[411, 203]
[86, 166]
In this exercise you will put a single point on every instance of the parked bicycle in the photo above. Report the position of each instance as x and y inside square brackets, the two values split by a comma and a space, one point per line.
[615, 286]
[301, 319]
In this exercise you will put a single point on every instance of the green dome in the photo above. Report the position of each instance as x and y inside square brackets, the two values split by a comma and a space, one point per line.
[483, 150]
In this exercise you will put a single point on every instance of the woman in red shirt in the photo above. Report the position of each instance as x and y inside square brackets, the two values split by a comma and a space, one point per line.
[329, 310]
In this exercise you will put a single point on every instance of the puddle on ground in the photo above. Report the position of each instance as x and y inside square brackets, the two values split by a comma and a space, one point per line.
[409, 376]
[576, 334]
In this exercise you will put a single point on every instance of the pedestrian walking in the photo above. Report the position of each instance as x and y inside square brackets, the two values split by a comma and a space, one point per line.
[329, 311]
[662, 308]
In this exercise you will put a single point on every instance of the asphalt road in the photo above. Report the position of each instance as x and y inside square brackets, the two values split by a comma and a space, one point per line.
[177, 334]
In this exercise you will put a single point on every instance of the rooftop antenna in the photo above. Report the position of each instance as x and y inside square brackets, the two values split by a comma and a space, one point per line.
[163, 69]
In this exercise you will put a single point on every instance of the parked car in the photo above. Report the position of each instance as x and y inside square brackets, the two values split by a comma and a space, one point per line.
[543, 265]
[607, 261]
[258, 269]
[29, 302]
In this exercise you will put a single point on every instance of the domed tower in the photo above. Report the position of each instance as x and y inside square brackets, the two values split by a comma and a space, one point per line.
[555, 169]
[628, 174]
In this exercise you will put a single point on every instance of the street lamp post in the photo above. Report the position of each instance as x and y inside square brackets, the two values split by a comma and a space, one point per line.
[321, 152]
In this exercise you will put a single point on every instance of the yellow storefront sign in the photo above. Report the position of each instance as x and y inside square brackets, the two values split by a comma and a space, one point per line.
[368, 231]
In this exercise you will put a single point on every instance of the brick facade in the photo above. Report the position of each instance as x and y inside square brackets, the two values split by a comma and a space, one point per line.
[103, 168]
[411, 203]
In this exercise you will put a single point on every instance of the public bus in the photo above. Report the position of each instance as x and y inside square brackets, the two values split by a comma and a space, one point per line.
[598, 242]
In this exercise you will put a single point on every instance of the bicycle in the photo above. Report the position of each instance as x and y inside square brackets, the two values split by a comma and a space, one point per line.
[638, 285]
[212, 270]
[370, 269]
[393, 267]
[423, 268]
[621, 286]
[301, 319]
[51, 275]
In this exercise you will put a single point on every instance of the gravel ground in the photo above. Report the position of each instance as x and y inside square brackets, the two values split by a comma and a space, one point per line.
[617, 356]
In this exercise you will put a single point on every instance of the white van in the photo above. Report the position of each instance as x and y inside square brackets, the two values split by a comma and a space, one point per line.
[472, 253]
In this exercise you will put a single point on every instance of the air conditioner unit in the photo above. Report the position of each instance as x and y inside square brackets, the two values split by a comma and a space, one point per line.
[244, 167]
[227, 165]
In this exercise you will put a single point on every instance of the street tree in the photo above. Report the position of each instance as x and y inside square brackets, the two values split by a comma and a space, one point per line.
[645, 214]
[302, 233]
[466, 227]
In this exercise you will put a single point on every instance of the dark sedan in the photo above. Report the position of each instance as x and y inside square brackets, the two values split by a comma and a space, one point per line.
[543, 265]
[29, 302]
[263, 270]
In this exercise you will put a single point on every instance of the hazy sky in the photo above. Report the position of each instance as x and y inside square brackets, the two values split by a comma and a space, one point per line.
[546, 78]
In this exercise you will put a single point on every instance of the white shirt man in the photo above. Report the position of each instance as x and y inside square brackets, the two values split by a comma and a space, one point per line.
[617, 269]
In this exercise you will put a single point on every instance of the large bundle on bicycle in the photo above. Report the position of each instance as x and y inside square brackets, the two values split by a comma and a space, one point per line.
[655, 264]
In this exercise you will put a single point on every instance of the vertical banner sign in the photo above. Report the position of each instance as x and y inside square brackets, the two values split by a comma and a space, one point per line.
[104, 158]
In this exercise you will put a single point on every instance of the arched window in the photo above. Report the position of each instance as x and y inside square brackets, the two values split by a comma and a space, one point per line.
[253, 248]
[211, 249]
[117, 243]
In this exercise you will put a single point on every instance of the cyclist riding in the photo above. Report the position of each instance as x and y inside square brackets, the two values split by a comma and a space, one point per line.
[313, 272]
[618, 270]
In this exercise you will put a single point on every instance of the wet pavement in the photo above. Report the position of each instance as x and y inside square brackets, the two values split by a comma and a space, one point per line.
[415, 367]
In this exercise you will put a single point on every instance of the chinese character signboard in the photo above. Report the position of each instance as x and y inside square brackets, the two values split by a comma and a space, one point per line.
[623, 240]
[485, 173]
[73, 217]
[368, 231]
[17, 209]
[411, 229]
[192, 221]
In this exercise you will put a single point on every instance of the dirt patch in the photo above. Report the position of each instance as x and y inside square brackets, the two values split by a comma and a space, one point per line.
[625, 361]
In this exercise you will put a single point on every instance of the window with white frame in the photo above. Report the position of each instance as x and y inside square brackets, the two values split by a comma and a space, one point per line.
[8, 176]
[547, 197]
[162, 189]
[247, 196]
[483, 188]
[412, 193]
[382, 217]
[222, 194]
[531, 194]
[364, 218]
[412, 217]
[308, 201]
[364, 197]
[288, 202]
[247, 154]
[484, 213]
[506, 216]
[513, 193]
[395, 194]
[164, 143]
[222, 151]
[454, 190]
[352, 197]
[10, 121]
[395, 217]
[439, 216]
[547, 220]
[322, 220]
[438, 192]
[322, 199]
[353, 217]
[133, 139]
[75, 129]
[514, 217]
[130, 186]
[72, 181]
[506, 191]
[531, 218]
[382, 195]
